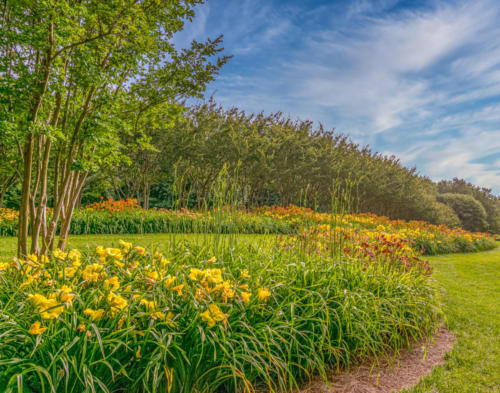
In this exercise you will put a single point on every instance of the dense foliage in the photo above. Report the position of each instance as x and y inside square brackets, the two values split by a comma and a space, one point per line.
[272, 160]
[204, 317]
[469, 210]
[488, 201]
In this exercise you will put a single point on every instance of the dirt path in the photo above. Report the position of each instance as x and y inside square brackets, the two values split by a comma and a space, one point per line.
[390, 376]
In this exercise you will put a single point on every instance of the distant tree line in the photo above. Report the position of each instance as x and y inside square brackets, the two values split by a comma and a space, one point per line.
[271, 159]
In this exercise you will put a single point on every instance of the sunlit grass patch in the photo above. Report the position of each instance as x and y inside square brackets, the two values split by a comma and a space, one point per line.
[471, 287]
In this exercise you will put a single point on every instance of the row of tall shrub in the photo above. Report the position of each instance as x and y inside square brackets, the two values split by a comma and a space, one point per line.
[272, 159]
[275, 160]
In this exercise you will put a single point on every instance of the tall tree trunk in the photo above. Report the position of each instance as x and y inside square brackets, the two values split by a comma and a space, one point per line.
[40, 222]
[22, 233]
[74, 196]
[146, 195]
[41, 214]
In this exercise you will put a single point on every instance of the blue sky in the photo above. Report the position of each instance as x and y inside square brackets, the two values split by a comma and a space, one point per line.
[417, 79]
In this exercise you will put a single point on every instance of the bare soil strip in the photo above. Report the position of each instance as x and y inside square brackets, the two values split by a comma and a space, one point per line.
[389, 375]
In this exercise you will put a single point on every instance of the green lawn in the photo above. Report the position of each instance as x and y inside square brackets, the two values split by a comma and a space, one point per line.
[471, 296]
[470, 291]
[161, 240]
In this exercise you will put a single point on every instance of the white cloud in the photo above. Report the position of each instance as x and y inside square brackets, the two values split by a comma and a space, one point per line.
[457, 156]
[423, 84]
[401, 73]
[378, 74]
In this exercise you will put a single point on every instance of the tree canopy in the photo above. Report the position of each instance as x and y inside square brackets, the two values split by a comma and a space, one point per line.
[77, 75]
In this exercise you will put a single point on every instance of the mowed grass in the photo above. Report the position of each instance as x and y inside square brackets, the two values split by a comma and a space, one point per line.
[8, 245]
[471, 296]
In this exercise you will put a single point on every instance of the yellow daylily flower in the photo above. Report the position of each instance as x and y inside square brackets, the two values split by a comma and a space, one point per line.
[153, 275]
[116, 302]
[75, 255]
[195, 274]
[246, 297]
[58, 254]
[51, 309]
[115, 253]
[36, 328]
[213, 315]
[263, 294]
[169, 280]
[168, 318]
[112, 283]
[37, 299]
[140, 250]
[93, 272]
[179, 288]
[64, 295]
[125, 245]
[149, 304]
[213, 276]
[95, 315]
[212, 260]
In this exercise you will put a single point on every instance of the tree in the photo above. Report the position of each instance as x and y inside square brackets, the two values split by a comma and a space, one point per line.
[145, 160]
[74, 77]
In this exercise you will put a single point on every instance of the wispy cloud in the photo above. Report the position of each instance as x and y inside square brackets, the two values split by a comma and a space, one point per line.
[422, 82]
[384, 72]
[195, 29]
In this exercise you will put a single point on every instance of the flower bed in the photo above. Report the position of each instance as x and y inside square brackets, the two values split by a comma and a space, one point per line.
[195, 319]
[126, 217]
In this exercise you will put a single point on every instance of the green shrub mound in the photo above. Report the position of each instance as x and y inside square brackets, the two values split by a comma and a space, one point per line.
[445, 215]
[470, 212]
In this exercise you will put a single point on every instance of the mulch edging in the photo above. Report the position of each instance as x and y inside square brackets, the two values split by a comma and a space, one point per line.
[389, 375]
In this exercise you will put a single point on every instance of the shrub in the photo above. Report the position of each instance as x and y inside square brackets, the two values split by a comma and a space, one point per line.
[442, 214]
[468, 209]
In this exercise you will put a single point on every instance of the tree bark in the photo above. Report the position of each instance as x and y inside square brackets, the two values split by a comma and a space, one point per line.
[22, 235]
[70, 208]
